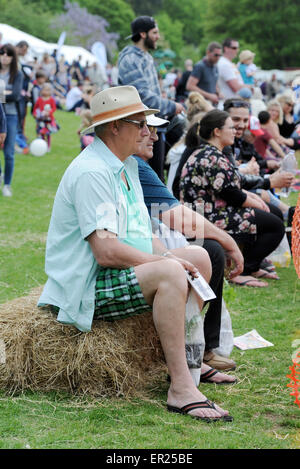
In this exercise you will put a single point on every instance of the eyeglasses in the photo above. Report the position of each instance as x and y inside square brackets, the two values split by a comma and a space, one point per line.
[217, 55]
[234, 47]
[152, 129]
[140, 124]
[8, 53]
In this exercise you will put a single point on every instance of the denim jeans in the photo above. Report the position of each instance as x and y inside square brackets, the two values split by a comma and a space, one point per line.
[9, 147]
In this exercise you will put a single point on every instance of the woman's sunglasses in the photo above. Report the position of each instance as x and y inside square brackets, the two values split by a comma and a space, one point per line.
[8, 53]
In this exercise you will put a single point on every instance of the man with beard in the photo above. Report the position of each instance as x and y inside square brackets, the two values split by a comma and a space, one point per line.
[136, 68]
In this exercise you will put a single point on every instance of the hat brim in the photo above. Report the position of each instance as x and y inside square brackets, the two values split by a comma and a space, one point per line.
[147, 112]
[257, 132]
[155, 121]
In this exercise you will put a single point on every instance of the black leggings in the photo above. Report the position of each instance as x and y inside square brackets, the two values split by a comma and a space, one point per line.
[270, 231]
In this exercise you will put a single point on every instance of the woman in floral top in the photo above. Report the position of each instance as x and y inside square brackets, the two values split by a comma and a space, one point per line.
[210, 181]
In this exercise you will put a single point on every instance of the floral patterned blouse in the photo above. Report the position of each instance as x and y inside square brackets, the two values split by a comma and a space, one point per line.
[206, 174]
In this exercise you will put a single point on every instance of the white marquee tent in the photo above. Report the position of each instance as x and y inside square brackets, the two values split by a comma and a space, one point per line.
[37, 47]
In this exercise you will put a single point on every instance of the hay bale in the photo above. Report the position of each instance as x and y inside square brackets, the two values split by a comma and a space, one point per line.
[119, 358]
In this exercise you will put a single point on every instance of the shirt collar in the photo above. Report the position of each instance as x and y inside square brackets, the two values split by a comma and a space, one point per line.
[110, 158]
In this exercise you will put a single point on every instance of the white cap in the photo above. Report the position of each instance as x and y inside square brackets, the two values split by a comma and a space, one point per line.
[155, 121]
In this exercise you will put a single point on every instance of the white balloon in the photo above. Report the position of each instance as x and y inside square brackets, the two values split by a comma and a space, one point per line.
[38, 147]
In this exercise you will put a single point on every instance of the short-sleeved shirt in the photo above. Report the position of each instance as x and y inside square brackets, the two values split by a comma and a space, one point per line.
[157, 197]
[89, 198]
[228, 71]
[207, 75]
[261, 143]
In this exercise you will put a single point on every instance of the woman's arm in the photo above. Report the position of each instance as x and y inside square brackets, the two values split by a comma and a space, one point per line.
[15, 94]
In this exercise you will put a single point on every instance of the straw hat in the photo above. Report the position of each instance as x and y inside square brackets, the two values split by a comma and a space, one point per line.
[246, 55]
[116, 103]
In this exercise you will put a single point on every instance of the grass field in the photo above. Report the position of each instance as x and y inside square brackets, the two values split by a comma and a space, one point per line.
[265, 415]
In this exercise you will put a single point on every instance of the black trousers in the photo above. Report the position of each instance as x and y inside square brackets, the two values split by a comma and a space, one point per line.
[270, 231]
[212, 320]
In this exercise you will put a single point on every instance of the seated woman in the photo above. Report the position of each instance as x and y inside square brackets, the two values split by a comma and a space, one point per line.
[275, 111]
[195, 104]
[289, 128]
[211, 179]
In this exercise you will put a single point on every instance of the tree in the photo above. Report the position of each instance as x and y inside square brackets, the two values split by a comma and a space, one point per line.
[146, 7]
[84, 29]
[190, 14]
[20, 14]
[117, 13]
[271, 28]
[170, 32]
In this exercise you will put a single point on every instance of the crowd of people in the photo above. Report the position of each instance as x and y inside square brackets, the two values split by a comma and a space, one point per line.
[222, 144]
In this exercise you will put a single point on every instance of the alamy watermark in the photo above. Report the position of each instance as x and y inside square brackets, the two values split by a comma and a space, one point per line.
[122, 219]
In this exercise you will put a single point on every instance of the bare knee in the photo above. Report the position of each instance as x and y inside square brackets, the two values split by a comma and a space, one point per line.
[202, 261]
[172, 274]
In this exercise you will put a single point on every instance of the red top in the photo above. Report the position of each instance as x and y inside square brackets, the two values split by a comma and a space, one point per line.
[261, 143]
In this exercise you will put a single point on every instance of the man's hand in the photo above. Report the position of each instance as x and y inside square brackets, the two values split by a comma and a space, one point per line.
[179, 108]
[185, 264]
[281, 179]
[2, 138]
[251, 167]
[273, 164]
[214, 98]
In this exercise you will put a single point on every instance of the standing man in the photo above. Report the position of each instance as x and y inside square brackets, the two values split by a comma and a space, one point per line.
[204, 76]
[102, 261]
[230, 80]
[136, 67]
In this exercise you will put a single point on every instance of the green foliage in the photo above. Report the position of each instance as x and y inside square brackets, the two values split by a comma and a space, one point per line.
[190, 14]
[117, 13]
[170, 32]
[33, 20]
[146, 7]
[271, 29]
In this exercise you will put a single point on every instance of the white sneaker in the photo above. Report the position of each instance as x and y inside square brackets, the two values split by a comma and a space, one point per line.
[6, 191]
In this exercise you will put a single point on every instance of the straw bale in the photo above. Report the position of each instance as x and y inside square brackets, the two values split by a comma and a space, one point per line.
[119, 358]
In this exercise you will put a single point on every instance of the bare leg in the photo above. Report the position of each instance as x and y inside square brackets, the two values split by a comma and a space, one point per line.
[164, 285]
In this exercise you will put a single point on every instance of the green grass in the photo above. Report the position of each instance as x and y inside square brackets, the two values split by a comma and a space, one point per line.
[265, 415]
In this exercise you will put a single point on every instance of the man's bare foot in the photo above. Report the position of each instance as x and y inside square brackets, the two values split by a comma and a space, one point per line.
[188, 396]
[217, 378]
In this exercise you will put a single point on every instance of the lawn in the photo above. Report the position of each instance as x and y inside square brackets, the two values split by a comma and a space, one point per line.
[265, 415]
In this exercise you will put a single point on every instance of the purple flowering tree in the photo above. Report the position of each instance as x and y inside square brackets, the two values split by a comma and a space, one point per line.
[83, 28]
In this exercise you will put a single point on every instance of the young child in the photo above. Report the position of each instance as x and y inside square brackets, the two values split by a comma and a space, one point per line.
[246, 66]
[40, 80]
[43, 111]
[86, 121]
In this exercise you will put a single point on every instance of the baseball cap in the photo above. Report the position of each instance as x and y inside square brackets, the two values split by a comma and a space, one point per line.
[254, 126]
[141, 24]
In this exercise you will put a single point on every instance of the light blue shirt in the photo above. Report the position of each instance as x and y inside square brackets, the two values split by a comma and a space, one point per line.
[89, 198]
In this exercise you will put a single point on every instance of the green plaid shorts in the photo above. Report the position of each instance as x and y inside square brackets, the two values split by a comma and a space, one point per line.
[118, 295]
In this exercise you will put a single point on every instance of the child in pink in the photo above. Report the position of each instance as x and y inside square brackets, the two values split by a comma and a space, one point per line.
[43, 112]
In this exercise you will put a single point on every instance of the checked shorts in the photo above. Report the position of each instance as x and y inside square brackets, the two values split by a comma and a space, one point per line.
[118, 295]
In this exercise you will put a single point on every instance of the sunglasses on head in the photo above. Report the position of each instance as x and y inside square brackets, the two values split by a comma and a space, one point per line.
[8, 53]
[237, 104]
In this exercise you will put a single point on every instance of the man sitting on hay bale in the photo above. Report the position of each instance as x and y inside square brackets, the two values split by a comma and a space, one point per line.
[102, 261]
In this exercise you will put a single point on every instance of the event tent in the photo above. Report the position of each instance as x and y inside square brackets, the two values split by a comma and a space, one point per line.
[37, 47]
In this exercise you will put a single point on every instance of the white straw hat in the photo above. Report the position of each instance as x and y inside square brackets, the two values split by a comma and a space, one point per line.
[116, 103]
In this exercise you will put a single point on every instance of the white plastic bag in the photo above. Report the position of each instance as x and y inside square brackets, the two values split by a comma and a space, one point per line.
[281, 257]
[194, 337]
[226, 334]
[172, 239]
